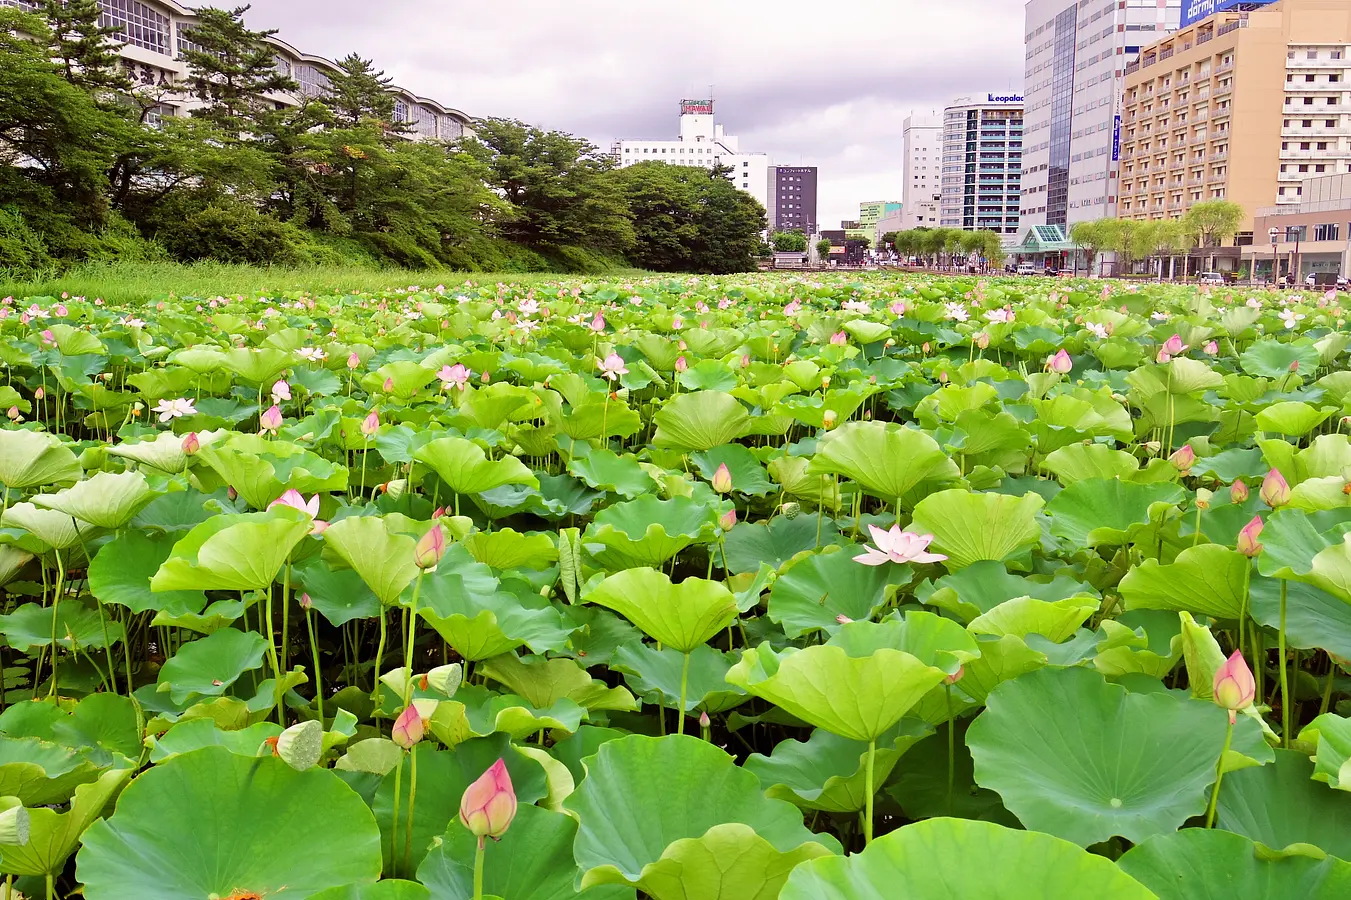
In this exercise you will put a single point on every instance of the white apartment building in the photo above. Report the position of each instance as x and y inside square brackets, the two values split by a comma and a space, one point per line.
[702, 142]
[982, 163]
[923, 164]
[155, 32]
[1076, 55]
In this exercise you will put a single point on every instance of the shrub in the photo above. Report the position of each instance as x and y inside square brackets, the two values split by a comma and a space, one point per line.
[237, 233]
[23, 252]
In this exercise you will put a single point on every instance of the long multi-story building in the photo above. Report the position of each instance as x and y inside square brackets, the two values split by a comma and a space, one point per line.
[792, 199]
[1244, 105]
[923, 163]
[871, 212]
[702, 142]
[154, 34]
[982, 164]
[1076, 56]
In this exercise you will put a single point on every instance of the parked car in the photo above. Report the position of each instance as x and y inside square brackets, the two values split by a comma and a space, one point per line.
[1323, 280]
[1026, 269]
[1212, 278]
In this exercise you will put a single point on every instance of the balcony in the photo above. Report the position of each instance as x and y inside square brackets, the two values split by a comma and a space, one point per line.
[1217, 179]
[1300, 86]
[1320, 131]
[1224, 90]
[1318, 64]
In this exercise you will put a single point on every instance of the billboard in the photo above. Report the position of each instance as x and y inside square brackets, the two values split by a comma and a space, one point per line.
[1003, 98]
[1194, 11]
[696, 107]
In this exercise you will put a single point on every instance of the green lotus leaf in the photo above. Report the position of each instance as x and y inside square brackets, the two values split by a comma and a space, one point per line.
[1230, 465]
[948, 858]
[818, 588]
[383, 557]
[1273, 359]
[55, 529]
[532, 861]
[543, 682]
[1201, 864]
[1203, 659]
[699, 421]
[982, 586]
[339, 595]
[776, 541]
[608, 471]
[648, 531]
[1077, 462]
[969, 527]
[41, 773]
[466, 469]
[1331, 734]
[1102, 511]
[105, 500]
[74, 625]
[719, 836]
[932, 639]
[1292, 417]
[210, 665]
[258, 365]
[1139, 640]
[1314, 618]
[854, 697]
[442, 777]
[888, 460]
[507, 549]
[1206, 579]
[482, 625]
[1291, 538]
[121, 571]
[587, 420]
[35, 458]
[401, 379]
[389, 889]
[920, 785]
[207, 823]
[655, 675]
[1284, 810]
[237, 552]
[1056, 621]
[12, 561]
[53, 836]
[261, 470]
[681, 616]
[748, 476]
[828, 772]
[1101, 761]
[103, 727]
[194, 734]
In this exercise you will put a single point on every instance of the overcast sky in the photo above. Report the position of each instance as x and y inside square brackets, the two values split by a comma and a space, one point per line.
[808, 82]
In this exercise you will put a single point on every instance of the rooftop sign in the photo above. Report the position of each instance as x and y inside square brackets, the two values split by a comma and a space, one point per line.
[696, 107]
[1194, 11]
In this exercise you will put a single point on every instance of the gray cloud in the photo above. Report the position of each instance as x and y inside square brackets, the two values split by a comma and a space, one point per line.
[808, 83]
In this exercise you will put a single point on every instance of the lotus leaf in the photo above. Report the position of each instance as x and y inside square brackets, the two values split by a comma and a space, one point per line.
[887, 459]
[238, 552]
[682, 616]
[970, 527]
[1200, 864]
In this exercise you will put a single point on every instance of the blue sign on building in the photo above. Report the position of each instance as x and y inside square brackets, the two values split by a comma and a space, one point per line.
[1116, 138]
[1194, 11]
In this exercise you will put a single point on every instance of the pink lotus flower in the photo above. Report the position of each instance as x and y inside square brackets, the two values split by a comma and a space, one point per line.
[270, 421]
[680, 364]
[353, 361]
[983, 341]
[613, 366]
[1060, 363]
[281, 391]
[191, 444]
[489, 804]
[371, 424]
[1173, 346]
[1211, 348]
[173, 409]
[598, 323]
[1248, 544]
[1184, 458]
[898, 546]
[1238, 492]
[722, 479]
[897, 308]
[430, 548]
[1234, 688]
[457, 375]
[1275, 490]
[839, 339]
[409, 728]
[296, 500]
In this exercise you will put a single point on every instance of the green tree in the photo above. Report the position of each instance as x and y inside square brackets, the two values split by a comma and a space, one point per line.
[789, 241]
[232, 69]
[823, 249]
[358, 93]
[1092, 237]
[688, 219]
[1212, 222]
[85, 50]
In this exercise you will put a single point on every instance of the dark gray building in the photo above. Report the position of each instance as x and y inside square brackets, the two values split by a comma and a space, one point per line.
[792, 199]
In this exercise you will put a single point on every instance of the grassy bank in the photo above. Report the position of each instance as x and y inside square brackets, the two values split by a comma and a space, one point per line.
[137, 282]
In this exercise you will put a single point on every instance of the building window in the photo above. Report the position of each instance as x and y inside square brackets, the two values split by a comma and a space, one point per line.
[1329, 232]
[140, 25]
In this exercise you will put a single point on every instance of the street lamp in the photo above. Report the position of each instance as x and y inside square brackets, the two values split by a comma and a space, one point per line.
[1294, 266]
[1273, 232]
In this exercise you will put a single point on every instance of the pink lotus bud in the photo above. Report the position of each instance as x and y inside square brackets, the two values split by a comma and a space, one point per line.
[489, 804]
[598, 323]
[925, 347]
[39, 393]
[1294, 365]
[1060, 363]
[389, 386]
[430, 548]
[191, 443]
[1234, 688]
[680, 364]
[270, 420]
[722, 479]
[955, 676]
[842, 619]
[727, 520]
[231, 493]
[353, 361]
[1275, 490]
[48, 337]
[983, 340]
[839, 338]
[13, 413]
[943, 377]
[1248, 544]
[1238, 492]
[704, 720]
[485, 377]
[305, 601]
[1211, 348]
[745, 360]
[370, 424]
[1173, 346]
[438, 513]
[1184, 458]
[1163, 357]
[408, 728]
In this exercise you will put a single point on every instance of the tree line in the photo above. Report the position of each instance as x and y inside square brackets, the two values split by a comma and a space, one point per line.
[947, 247]
[92, 169]
[1206, 225]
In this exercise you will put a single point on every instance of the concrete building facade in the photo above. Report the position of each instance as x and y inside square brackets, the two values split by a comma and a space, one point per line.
[792, 199]
[155, 32]
[702, 142]
[1076, 55]
[923, 163]
[981, 187]
[872, 212]
[1313, 235]
[1245, 105]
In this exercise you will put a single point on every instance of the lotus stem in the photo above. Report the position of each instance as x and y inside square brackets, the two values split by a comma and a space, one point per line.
[412, 799]
[412, 634]
[952, 736]
[1219, 774]
[285, 629]
[379, 656]
[272, 653]
[56, 599]
[1243, 608]
[1327, 687]
[394, 822]
[868, 787]
[1285, 679]
[478, 871]
[318, 673]
[680, 710]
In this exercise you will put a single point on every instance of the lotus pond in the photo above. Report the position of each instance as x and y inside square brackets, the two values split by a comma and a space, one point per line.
[756, 587]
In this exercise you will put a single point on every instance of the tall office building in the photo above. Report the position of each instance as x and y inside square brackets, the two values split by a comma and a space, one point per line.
[1076, 56]
[923, 136]
[871, 212]
[982, 164]
[702, 143]
[1275, 78]
[792, 199]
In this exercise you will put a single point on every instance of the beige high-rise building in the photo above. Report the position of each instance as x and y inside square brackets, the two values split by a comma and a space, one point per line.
[1240, 106]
